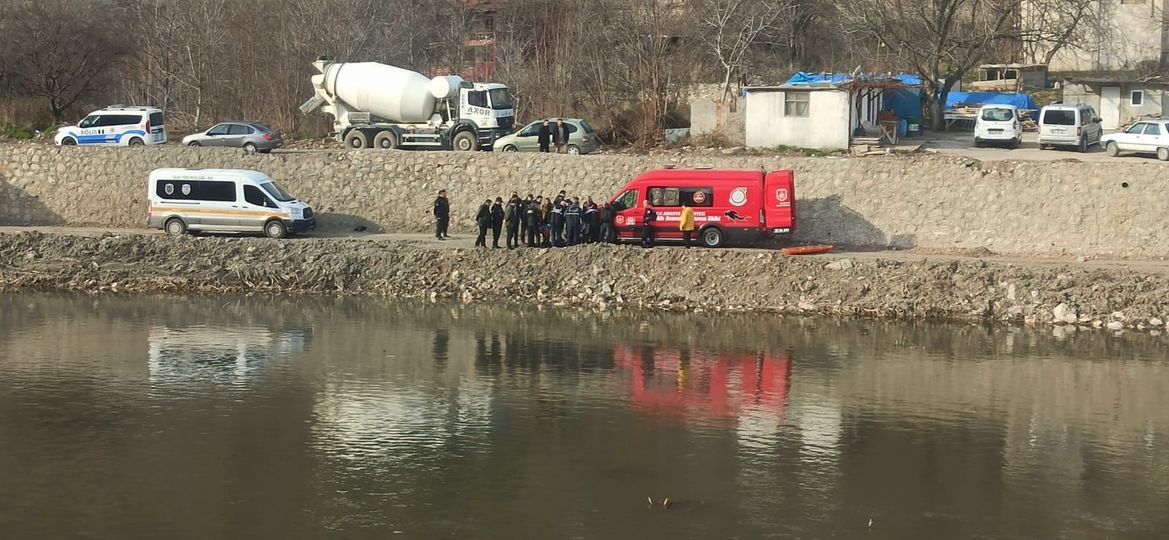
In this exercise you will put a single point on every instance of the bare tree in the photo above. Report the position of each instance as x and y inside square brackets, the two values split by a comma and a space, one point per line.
[1047, 27]
[729, 28]
[941, 39]
[65, 50]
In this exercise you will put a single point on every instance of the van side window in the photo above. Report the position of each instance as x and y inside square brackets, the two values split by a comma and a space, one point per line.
[255, 197]
[176, 189]
[665, 196]
[217, 191]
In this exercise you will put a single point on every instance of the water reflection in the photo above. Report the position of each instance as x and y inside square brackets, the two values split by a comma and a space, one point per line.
[319, 417]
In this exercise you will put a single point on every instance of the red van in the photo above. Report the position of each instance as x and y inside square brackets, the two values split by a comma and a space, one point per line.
[730, 205]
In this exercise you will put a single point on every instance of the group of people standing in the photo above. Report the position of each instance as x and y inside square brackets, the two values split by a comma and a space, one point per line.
[561, 221]
[557, 134]
[537, 221]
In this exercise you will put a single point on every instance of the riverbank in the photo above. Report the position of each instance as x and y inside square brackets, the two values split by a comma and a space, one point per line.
[600, 277]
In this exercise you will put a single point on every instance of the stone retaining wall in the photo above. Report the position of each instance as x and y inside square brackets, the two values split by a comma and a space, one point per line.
[922, 201]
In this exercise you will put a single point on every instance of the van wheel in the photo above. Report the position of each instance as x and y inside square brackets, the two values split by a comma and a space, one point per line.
[464, 141]
[250, 148]
[176, 227]
[386, 140]
[1163, 154]
[977, 143]
[356, 140]
[136, 142]
[68, 141]
[1083, 146]
[712, 237]
[275, 229]
[1112, 149]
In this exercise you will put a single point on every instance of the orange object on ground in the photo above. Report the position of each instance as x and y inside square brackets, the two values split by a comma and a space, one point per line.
[807, 250]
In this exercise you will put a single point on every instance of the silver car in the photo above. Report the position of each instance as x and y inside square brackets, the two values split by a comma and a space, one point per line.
[581, 137]
[250, 136]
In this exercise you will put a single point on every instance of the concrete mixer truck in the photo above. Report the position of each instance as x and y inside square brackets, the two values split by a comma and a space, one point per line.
[379, 106]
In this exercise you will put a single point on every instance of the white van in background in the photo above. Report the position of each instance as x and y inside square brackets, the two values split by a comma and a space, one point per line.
[116, 126]
[1069, 125]
[998, 124]
[223, 200]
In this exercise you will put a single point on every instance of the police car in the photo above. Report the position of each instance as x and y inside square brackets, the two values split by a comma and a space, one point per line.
[119, 125]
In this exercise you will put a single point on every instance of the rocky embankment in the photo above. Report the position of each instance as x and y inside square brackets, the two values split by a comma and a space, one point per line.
[596, 277]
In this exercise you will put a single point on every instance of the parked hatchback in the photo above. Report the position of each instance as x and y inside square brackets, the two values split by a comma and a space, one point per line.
[998, 124]
[581, 137]
[1149, 137]
[1069, 125]
[250, 136]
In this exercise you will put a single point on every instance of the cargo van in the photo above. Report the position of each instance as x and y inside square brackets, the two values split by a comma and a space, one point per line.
[119, 125]
[1069, 125]
[223, 200]
[730, 205]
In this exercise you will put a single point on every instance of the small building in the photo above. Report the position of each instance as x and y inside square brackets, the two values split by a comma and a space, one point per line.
[1010, 77]
[821, 111]
[1119, 100]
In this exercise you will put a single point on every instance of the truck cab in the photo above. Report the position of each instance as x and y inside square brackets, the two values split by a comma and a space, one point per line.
[488, 106]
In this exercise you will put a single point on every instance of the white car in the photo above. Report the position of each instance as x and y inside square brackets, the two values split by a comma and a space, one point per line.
[1148, 137]
[998, 124]
[116, 126]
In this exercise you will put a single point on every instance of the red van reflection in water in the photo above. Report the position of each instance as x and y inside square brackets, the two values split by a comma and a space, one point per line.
[702, 384]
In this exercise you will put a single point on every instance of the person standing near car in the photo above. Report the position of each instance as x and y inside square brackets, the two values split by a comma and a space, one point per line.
[442, 215]
[561, 137]
[496, 222]
[648, 218]
[544, 137]
[483, 219]
[686, 224]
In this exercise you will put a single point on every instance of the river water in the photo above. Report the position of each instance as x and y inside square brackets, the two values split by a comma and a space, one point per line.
[209, 417]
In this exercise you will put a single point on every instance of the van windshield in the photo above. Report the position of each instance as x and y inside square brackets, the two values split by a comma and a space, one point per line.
[276, 192]
[1059, 117]
[998, 115]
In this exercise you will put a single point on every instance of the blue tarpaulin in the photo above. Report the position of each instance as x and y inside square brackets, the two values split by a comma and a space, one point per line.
[977, 99]
[805, 78]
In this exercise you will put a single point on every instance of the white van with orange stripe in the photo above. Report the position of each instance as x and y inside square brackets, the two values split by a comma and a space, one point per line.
[224, 200]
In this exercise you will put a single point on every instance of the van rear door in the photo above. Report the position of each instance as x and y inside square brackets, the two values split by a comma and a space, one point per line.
[779, 195]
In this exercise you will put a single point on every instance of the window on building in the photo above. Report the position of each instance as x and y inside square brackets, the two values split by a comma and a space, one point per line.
[796, 103]
[1138, 97]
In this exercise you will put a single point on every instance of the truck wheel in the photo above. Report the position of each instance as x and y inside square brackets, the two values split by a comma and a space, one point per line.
[464, 141]
[386, 140]
[275, 229]
[712, 237]
[1112, 149]
[176, 227]
[356, 140]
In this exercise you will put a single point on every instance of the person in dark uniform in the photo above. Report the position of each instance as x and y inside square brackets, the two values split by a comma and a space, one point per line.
[513, 217]
[532, 218]
[592, 220]
[556, 218]
[648, 218]
[496, 222]
[442, 215]
[523, 206]
[545, 137]
[605, 216]
[483, 219]
[572, 218]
